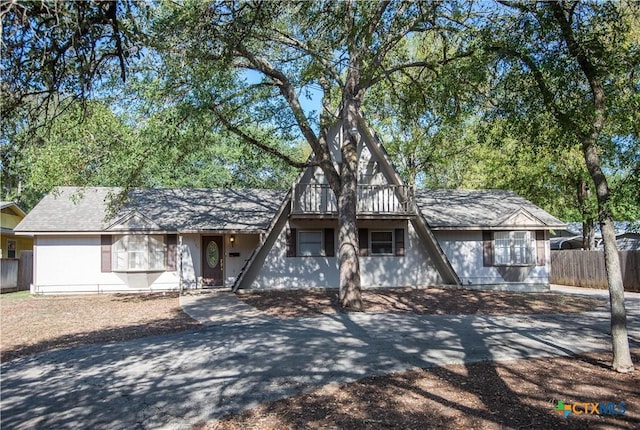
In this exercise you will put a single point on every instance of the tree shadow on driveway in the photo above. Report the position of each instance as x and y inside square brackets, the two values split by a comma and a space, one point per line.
[197, 376]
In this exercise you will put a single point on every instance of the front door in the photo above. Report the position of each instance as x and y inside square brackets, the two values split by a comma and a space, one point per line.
[212, 260]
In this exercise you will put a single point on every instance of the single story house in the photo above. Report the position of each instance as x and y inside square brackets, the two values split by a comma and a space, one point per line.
[168, 239]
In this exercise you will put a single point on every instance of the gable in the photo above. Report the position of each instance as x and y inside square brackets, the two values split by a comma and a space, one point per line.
[11, 215]
[521, 218]
[381, 196]
[133, 221]
[373, 167]
[481, 210]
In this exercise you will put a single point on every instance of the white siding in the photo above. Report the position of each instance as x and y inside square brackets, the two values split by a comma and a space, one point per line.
[464, 250]
[280, 271]
[415, 268]
[192, 257]
[191, 260]
[71, 264]
[244, 246]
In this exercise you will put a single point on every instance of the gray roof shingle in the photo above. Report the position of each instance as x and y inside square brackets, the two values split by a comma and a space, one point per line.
[451, 209]
[72, 209]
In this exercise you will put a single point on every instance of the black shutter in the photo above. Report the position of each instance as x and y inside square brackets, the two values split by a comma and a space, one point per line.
[363, 239]
[487, 249]
[329, 243]
[399, 236]
[105, 253]
[291, 242]
[541, 256]
[172, 252]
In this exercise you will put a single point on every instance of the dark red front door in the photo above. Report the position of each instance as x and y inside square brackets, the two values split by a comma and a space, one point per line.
[212, 260]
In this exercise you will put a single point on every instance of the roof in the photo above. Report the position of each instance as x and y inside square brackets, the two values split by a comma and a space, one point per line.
[13, 206]
[486, 209]
[83, 210]
[619, 227]
[73, 209]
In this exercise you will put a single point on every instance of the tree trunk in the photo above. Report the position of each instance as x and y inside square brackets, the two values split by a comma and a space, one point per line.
[350, 289]
[589, 234]
[619, 337]
[588, 223]
[350, 294]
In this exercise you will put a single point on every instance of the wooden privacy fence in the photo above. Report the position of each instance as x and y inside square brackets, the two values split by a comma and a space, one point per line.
[586, 269]
[16, 274]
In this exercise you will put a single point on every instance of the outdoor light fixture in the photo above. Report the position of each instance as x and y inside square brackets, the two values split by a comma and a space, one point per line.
[232, 239]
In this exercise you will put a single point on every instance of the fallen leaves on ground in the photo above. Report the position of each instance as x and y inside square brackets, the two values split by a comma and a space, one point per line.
[32, 324]
[517, 394]
[451, 301]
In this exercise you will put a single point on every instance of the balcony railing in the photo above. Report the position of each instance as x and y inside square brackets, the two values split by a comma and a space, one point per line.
[318, 199]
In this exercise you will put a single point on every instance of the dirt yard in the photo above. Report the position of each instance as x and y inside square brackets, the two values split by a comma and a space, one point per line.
[519, 394]
[40, 323]
[285, 304]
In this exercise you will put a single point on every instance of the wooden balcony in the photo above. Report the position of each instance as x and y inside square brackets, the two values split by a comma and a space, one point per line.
[374, 201]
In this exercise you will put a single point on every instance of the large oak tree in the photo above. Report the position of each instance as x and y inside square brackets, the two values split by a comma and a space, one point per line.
[571, 63]
[276, 52]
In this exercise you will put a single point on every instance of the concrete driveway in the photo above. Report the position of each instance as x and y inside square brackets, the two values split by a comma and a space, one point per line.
[177, 380]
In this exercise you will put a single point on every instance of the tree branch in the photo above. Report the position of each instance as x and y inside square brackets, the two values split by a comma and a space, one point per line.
[419, 64]
[320, 148]
[547, 94]
[588, 68]
[295, 43]
[253, 141]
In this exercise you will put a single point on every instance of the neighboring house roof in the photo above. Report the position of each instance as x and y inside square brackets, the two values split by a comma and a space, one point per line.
[73, 209]
[624, 242]
[14, 207]
[628, 242]
[620, 227]
[486, 209]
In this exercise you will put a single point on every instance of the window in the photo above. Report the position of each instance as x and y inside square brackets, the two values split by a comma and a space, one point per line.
[512, 248]
[138, 253]
[310, 243]
[305, 243]
[382, 242]
[12, 247]
[389, 242]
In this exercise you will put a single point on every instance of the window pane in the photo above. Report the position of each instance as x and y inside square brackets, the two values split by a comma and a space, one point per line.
[136, 247]
[520, 248]
[502, 248]
[156, 252]
[381, 236]
[136, 243]
[310, 243]
[120, 261]
[119, 253]
[382, 242]
[11, 248]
